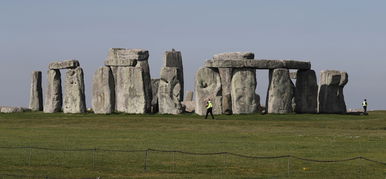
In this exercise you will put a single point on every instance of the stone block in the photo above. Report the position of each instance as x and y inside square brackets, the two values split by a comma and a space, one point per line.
[36, 93]
[103, 94]
[74, 96]
[53, 100]
[66, 64]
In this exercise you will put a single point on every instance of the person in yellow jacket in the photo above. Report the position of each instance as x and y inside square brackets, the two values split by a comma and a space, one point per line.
[209, 107]
[364, 104]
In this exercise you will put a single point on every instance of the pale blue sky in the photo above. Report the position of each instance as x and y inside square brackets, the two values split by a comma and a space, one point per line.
[347, 35]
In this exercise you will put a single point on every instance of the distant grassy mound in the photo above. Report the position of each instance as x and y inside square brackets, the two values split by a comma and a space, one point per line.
[89, 145]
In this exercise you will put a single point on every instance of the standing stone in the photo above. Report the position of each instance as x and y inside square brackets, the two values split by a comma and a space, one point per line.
[174, 59]
[169, 91]
[36, 95]
[154, 101]
[189, 96]
[208, 86]
[130, 90]
[280, 92]
[103, 94]
[243, 91]
[144, 64]
[331, 98]
[306, 93]
[74, 96]
[53, 98]
[226, 82]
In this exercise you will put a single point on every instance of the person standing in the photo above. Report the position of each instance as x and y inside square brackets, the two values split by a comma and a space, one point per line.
[364, 104]
[209, 107]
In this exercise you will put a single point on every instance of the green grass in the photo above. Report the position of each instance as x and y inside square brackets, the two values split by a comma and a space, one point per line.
[322, 137]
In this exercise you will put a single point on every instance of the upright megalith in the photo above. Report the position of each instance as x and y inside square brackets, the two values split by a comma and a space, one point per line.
[36, 93]
[169, 91]
[103, 92]
[208, 87]
[306, 93]
[154, 101]
[244, 98]
[171, 85]
[280, 92]
[119, 59]
[53, 97]
[131, 96]
[74, 96]
[331, 98]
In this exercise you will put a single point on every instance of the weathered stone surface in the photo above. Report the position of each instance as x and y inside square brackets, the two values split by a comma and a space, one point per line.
[66, 64]
[74, 96]
[130, 90]
[208, 87]
[10, 109]
[173, 58]
[53, 99]
[36, 93]
[243, 91]
[280, 92]
[189, 96]
[147, 82]
[226, 82]
[169, 91]
[103, 94]
[234, 56]
[306, 93]
[125, 57]
[189, 106]
[258, 64]
[154, 101]
[331, 98]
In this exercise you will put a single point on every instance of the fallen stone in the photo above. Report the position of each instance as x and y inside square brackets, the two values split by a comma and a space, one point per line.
[130, 90]
[189, 106]
[208, 87]
[280, 92]
[331, 98]
[169, 91]
[243, 91]
[103, 94]
[74, 96]
[125, 57]
[53, 99]
[306, 93]
[234, 56]
[258, 64]
[189, 96]
[66, 64]
[9, 109]
[36, 93]
[154, 101]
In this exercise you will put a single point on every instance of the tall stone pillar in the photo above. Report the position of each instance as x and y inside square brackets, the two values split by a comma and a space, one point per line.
[171, 85]
[74, 96]
[36, 94]
[331, 98]
[208, 87]
[103, 94]
[244, 98]
[306, 93]
[154, 89]
[226, 81]
[280, 92]
[53, 98]
[131, 96]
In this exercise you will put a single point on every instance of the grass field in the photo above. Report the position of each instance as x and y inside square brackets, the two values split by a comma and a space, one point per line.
[320, 137]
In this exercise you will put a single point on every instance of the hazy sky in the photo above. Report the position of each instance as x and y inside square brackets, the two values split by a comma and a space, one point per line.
[347, 35]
